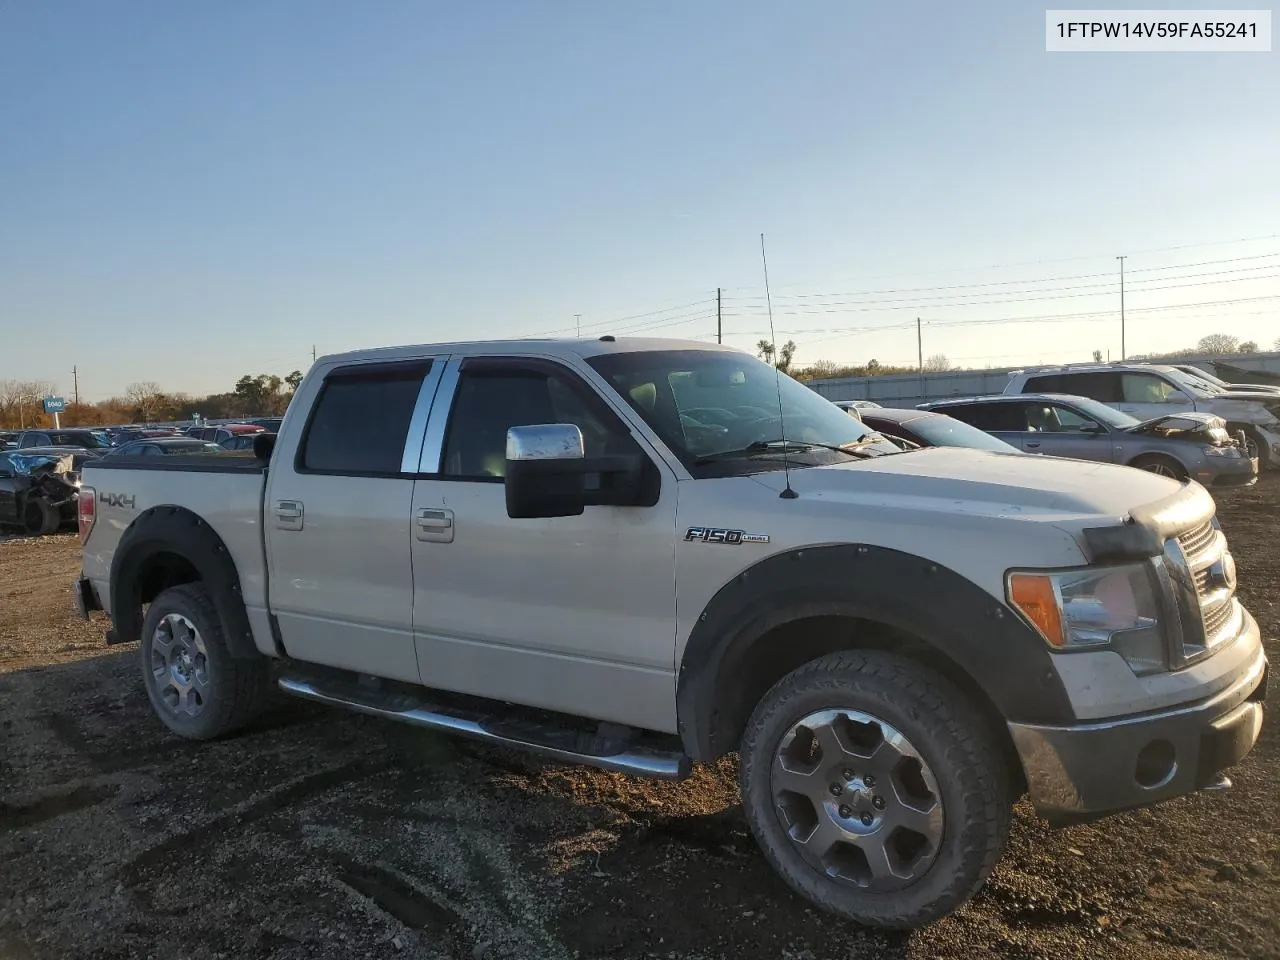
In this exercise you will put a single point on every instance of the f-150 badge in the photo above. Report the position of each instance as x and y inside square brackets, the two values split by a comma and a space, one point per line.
[720, 535]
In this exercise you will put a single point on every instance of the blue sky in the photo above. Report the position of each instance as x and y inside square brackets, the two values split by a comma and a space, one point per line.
[195, 191]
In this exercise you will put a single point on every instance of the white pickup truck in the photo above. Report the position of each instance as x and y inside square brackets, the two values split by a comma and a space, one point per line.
[645, 554]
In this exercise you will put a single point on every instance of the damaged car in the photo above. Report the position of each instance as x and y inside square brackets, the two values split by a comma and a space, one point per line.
[38, 491]
[1184, 445]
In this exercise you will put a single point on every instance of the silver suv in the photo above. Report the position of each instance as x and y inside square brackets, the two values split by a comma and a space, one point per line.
[1147, 390]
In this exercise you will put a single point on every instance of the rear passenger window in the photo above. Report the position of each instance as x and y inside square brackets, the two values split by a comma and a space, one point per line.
[1051, 383]
[989, 416]
[361, 420]
[1103, 387]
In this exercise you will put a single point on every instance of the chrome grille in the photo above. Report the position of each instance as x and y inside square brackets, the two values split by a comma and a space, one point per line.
[1211, 592]
[1198, 539]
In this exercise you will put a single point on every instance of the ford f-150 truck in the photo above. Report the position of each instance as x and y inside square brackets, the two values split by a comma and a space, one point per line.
[645, 554]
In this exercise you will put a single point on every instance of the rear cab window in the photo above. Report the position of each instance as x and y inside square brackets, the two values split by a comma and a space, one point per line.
[360, 420]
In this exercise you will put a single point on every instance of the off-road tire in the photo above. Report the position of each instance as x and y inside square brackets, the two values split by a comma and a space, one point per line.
[238, 689]
[951, 736]
[1158, 463]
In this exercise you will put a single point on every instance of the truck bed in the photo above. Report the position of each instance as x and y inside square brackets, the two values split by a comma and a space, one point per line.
[223, 490]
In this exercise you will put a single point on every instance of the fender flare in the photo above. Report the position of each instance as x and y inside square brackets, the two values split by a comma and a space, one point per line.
[179, 531]
[938, 608]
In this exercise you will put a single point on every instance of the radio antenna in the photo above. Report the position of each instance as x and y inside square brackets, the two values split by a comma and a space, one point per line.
[788, 493]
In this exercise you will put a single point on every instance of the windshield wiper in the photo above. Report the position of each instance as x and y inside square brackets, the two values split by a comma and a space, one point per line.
[767, 446]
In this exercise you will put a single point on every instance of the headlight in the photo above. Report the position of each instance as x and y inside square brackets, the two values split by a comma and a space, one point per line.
[1221, 451]
[1114, 608]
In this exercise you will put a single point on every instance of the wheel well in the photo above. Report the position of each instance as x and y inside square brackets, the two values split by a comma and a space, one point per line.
[741, 685]
[163, 570]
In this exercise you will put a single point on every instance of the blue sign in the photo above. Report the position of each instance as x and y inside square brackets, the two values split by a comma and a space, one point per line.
[55, 404]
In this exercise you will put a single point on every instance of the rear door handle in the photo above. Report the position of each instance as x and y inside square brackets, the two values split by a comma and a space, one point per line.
[435, 526]
[288, 514]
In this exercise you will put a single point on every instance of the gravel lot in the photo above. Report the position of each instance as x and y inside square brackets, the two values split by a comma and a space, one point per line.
[320, 834]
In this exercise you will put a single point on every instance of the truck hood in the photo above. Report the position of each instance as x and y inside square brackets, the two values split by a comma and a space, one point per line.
[961, 481]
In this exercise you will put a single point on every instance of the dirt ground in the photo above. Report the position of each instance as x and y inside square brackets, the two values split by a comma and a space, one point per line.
[325, 835]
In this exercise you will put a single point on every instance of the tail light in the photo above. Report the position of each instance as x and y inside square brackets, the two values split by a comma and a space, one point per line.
[86, 511]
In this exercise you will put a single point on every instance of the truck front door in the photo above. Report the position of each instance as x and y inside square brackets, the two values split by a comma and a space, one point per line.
[575, 614]
[337, 517]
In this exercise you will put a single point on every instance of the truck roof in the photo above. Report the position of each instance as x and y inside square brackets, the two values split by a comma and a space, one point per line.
[565, 348]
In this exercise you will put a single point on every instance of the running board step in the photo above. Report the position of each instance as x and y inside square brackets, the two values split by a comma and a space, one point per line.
[548, 741]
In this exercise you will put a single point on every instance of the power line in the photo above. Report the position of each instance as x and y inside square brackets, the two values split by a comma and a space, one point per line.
[912, 304]
[1073, 259]
[1108, 275]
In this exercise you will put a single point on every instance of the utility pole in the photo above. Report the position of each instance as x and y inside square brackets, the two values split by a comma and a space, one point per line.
[719, 328]
[75, 379]
[313, 353]
[920, 356]
[1122, 351]
[577, 325]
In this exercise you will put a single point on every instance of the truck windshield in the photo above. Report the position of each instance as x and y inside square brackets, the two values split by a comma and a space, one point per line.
[712, 405]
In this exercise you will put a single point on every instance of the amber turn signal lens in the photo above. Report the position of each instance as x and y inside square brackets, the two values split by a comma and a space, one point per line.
[1033, 595]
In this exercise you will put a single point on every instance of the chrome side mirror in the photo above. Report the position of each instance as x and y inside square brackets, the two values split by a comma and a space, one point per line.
[545, 441]
[546, 471]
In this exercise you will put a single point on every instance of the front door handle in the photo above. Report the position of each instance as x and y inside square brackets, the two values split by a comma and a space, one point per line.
[1032, 444]
[288, 514]
[435, 526]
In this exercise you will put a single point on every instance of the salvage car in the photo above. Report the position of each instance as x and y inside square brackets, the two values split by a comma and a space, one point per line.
[164, 447]
[37, 491]
[84, 439]
[1146, 390]
[924, 428]
[642, 554]
[1212, 380]
[1176, 445]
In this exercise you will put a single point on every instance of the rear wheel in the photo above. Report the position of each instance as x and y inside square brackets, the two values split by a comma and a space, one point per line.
[875, 789]
[195, 686]
[1164, 466]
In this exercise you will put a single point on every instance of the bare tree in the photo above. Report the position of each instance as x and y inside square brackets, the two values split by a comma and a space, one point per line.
[20, 401]
[1249, 346]
[1277, 343]
[1097, 356]
[145, 397]
[765, 351]
[1218, 343]
[937, 363]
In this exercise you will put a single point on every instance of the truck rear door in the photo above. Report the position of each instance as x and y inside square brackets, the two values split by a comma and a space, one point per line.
[337, 517]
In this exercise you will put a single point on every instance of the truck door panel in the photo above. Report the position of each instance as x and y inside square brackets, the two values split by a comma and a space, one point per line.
[571, 613]
[337, 519]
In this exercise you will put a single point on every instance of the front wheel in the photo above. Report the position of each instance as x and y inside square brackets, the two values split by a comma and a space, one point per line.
[875, 789]
[1164, 466]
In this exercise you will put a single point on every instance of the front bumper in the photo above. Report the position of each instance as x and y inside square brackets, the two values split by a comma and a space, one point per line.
[1088, 770]
[1222, 472]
